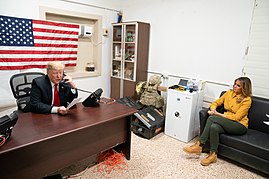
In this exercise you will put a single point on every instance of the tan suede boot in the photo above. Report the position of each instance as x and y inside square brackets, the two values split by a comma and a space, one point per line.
[211, 158]
[193, 149]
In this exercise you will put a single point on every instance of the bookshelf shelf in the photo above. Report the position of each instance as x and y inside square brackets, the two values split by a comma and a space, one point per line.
[130, 48]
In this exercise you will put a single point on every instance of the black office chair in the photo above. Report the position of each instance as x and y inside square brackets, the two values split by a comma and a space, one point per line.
[21, 85]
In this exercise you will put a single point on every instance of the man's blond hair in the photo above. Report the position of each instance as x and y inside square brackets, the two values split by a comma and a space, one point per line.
[55, 65]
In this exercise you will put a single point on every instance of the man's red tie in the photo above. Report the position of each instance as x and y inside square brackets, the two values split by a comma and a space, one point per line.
[56, 101]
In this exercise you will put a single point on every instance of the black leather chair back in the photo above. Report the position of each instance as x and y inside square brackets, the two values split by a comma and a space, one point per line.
[258, 114]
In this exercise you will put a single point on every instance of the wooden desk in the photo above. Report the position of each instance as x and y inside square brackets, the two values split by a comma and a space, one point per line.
[43, 143]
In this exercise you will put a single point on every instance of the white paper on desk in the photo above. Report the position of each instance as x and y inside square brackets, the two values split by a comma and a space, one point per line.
[266, 122]
[75, 101]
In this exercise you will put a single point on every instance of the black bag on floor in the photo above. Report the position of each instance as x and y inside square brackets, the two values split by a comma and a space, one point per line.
[130, 102]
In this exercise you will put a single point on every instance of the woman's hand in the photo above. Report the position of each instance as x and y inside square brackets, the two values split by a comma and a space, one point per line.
[214, 112]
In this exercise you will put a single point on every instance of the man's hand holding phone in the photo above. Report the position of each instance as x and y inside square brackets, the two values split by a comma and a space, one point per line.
[69, 80]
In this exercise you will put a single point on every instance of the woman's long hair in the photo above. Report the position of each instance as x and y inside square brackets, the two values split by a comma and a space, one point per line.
[246, 87]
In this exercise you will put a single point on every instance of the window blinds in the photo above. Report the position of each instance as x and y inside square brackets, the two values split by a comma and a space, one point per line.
[256, 61]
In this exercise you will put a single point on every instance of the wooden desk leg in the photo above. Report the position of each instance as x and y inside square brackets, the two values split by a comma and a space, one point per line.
[125, 148]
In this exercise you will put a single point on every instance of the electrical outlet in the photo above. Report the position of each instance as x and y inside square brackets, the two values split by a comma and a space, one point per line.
[105, 32]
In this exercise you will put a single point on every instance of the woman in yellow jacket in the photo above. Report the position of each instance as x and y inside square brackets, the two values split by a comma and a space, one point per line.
[234, 121]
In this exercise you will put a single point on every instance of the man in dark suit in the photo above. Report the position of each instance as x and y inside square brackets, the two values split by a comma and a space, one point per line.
[52, 92]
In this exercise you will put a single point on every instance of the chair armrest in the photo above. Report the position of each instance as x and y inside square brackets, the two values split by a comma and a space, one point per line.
[203, 115]
[23, 104]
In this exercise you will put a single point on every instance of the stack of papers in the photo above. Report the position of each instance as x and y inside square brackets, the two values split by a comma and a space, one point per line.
[75, 101]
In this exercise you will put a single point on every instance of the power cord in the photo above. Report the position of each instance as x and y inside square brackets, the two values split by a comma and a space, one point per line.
[107, 100]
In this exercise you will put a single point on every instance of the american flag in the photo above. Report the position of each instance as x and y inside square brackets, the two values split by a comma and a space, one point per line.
[28, 43]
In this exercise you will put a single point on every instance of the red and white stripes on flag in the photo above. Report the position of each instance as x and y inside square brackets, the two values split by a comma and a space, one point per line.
[26, 43]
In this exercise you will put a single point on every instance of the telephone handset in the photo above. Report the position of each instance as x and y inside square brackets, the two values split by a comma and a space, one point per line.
[63, 80]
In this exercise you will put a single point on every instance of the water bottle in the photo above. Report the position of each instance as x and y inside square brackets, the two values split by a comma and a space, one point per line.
[189, 84]
[195, 85]
[191, 87]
